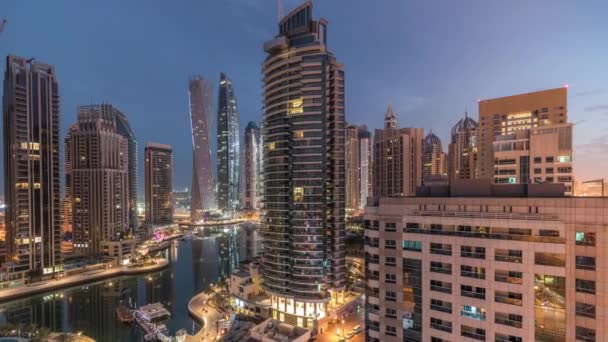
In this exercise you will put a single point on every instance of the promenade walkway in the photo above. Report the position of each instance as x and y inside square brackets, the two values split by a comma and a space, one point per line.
[86, 277]
[206, 315]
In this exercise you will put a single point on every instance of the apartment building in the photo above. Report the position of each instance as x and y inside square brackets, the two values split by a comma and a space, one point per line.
[473, 265]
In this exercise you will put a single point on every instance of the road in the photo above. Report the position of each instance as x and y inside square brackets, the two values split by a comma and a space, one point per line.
[330, 330]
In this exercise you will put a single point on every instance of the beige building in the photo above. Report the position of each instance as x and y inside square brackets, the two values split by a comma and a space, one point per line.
[477, 267]
[353, 169]
[434, 160]
[463, 150]
[538, 155]
[397, 159]
[158, 168]
[510, 114]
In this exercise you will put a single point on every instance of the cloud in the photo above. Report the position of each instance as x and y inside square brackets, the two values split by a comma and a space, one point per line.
[596, 108]
[589, 92]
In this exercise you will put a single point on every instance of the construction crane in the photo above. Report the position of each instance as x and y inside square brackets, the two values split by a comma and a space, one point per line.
[2, 25]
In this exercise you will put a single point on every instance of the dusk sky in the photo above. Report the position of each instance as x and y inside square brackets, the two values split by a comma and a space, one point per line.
[430, 59]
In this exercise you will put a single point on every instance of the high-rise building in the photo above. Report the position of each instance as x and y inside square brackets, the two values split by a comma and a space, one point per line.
[353, 169]
[252, 154]
[463, 150]
[158, 184]
[228, 148]
[124, 128]
[303, 258]
[509, 114]
[66, 201]
[434, 160]
[365, 165]
[477, 265]
[541, 154]
[31, 167]
[99, 156]
[397, 159]
[201, 106]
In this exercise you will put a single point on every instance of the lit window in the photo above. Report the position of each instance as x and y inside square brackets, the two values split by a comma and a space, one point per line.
[298, 194]
[295, 106]
[564, 159]
[271, 146]
[299, 134]
[23, 185]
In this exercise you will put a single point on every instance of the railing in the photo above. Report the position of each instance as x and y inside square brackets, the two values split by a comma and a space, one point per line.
[499, 216]
[441, 289]
[508, 258]
[441, 327]
[471, 294]
[441, 251]
[506, 321]
[473, 335]
[473, 315]
[441, 308]
[476, 275]
[508, 300]
[479, 235]
[473, 255]
[443, 270]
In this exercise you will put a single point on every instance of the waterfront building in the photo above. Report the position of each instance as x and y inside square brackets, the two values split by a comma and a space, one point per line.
[463, 150]
[252, 154]
[228, 148]
[506, 115]
[397, 159]
[31, 167]
[353, 169]
[303, 130]
[365, 165]
[540, 154]
[66, 201]
[434, 160]
[124, 129]
[201, 106]
[99, 156]
[158, 184]
[486, 262]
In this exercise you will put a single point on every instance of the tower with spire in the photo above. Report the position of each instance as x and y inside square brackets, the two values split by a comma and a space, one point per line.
[390, 120]
[463, 149]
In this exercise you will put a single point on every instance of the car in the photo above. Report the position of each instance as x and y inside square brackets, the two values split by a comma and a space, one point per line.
[357, 329]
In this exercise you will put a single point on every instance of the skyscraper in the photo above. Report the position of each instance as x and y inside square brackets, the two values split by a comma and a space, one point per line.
[463, 150]
[158, 184]
[31, 166]
[252, 153]
[434, 161]
[201, 105]
[353, 169]
[508, 114]
[124, 128]
[303, 261]
[228, 148]
[99, 156]
[365, 161]
[66, 202]
[397, 159]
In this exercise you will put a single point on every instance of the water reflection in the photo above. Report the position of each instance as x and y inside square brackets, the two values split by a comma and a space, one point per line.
[194, 264]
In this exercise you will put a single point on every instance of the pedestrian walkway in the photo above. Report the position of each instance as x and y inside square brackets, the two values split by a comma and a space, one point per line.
[206, 315]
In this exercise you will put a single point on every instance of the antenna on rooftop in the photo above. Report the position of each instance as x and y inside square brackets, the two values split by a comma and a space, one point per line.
[280, 9]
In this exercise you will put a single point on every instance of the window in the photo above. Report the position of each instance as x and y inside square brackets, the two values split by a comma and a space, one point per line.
[508, 298]
[538, 160]
[390, 244]
[390, 227]
[564, 159]
[585, 310]
[508, 255]
[472, 252]
[390, 296]
[512, 320]
[440, 267]
[391, 331]
[474, 333]
[549, 170]
[549, 159]
[390, 261]
[439, 305]
[585, 334]
[472, 292]
[441, 286]
[550, 259]
[585, 286]
[585, 239]
[295, 106]
[441, 249]
[441, 325]
[391, 313]
[298, 134]
[507, 338]
[511, 277]
[412, 245]
[473, 312]
[390, 278]
[298, 194]
[472, 272]
[271, 146]
[538, 170]
[548, 232]
[585, 263]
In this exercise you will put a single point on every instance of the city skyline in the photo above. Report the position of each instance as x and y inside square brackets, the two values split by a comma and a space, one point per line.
[420, 99]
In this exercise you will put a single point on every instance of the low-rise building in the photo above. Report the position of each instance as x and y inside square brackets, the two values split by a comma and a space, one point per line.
[487, 262]
[246, 291]
[121, 250]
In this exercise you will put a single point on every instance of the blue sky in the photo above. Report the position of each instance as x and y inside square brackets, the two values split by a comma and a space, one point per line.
[430, 59]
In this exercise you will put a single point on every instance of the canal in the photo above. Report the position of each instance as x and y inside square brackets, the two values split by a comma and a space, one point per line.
[194, 264]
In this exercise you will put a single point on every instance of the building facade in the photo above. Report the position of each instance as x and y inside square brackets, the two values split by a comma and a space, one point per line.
[509, 114]
[99, 180]
[31, 167]
[66, 201]
[228, 148]
[303, 257]
[481, 268]
[353, 169]
[201, 107]
[365, 163]
[463, 150]
[397, 159]
[124, 128]
[252, 155]
[434, 160]
[541, 154]
[158, 160]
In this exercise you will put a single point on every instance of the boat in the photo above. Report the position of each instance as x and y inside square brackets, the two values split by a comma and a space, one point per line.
[125, 315]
